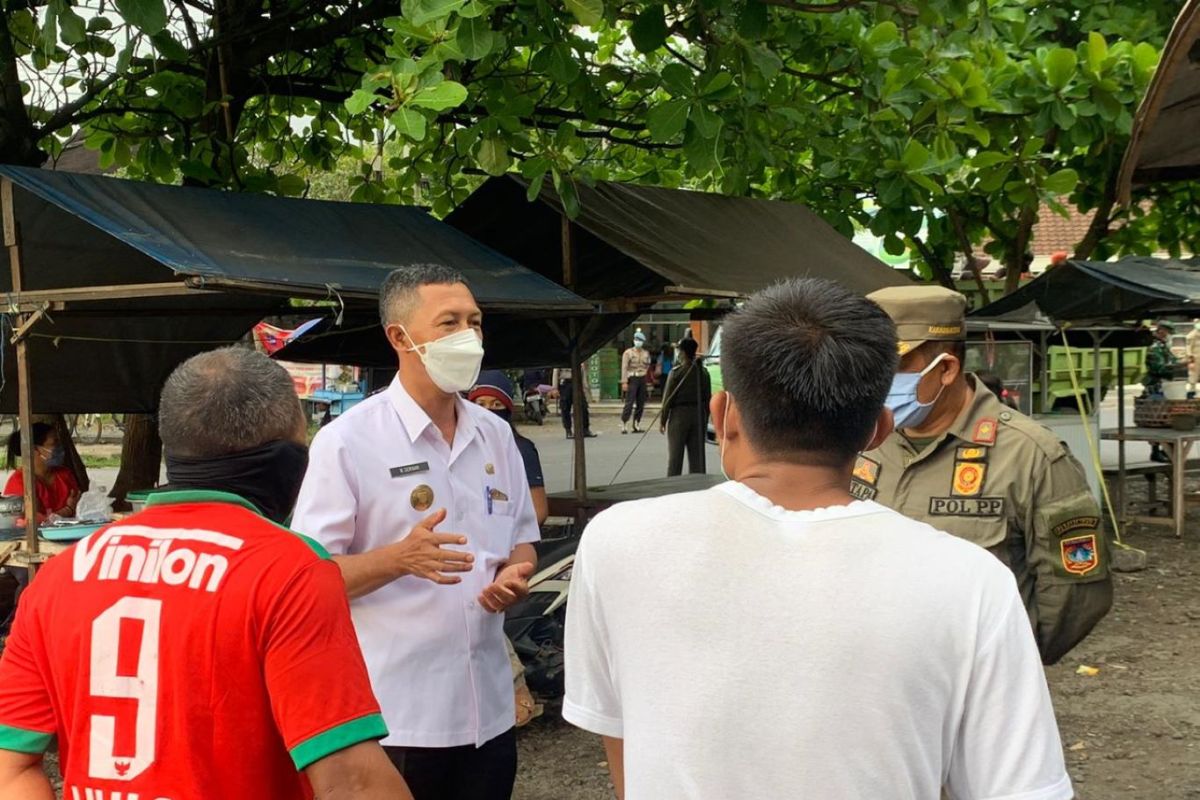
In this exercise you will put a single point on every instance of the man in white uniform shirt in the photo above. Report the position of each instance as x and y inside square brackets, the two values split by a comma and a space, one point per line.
[772, 638]
[422, 500]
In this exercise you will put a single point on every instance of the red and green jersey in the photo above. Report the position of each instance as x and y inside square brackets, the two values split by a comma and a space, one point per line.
[194, 650]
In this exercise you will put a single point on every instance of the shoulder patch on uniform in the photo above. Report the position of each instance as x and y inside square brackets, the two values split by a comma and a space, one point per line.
[1081, 523]
[866, 470]
[1079, 556]
[972, 454]
[985, 432]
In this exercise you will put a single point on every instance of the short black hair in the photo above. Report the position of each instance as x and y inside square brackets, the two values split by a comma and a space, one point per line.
[809, 364]
[935, 347]
[689, 347]
[398, 294]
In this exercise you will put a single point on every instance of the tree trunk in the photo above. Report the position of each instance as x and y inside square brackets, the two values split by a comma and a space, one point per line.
[141, 459]
[1018, 248]
[18, 144]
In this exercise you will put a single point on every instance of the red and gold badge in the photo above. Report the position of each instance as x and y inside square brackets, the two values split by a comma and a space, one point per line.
[985, 432]
[1079, 556]
[866, 470]
[968, 479]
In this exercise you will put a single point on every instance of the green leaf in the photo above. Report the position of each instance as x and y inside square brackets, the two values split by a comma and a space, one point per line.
[588, 12]
[989, 158]
[475, 38]
[1060, 67]
[926, 183]
[649, 31]
[884, 33]
[290, 185]
[567, 194]
[719, 83]
[1061, 182]
[766, 61]
[99, 24]
[168, 46]
[534, 190]
[409, 123]
[677, 79]
[423, 12]
[1063, 116]
[1145, 59]
[360, 101]
[752, 22]
[71, 25]
[148, 16]
[558, 62]
[1097, 51]
[667, 121]
[49, 36]
[474, 8]
[944, 149]
[493, 155]
[707, 123]
[916, 156]
[440, 97]
[991, 180]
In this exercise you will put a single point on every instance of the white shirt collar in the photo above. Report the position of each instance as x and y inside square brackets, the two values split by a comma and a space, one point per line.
[753, 500]
[416, 421]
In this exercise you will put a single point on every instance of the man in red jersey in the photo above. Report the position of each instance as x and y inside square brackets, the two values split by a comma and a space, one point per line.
[198, 650]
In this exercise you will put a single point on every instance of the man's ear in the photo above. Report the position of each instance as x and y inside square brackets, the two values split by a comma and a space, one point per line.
[397, 338]
[884, 427]
[952, 368]
[716, 408]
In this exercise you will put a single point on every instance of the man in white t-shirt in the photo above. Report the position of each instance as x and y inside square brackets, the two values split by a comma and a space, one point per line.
[773, 637]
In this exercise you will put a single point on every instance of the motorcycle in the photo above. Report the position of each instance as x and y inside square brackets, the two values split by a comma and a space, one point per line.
[536, 624]
[535, 406]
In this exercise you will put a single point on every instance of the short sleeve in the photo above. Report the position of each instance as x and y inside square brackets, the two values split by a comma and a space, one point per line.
[525, 525]
[592, 701]
[1008, 744]
[327, 507]
[27, 720]
[320, 693]
[15, 486]
[533, 463]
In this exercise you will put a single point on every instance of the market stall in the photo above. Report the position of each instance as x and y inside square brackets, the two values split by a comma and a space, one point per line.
[111, 283]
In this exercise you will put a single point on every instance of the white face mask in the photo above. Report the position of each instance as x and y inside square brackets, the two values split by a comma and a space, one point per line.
[452, 361]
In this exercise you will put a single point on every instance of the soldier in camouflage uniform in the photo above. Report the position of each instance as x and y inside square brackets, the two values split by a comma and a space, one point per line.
[965, 463]
[1160, 361]
[1160, 366]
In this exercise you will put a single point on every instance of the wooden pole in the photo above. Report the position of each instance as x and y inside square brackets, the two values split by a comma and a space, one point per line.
[577, 384]
[12, 241]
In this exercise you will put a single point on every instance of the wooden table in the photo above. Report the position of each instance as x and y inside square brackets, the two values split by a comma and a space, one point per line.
[564, 504]
[1178, 445]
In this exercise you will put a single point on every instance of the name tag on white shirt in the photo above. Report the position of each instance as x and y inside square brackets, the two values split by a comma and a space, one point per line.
[409, 469]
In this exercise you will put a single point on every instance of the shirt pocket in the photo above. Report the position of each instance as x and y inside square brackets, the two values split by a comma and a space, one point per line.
[496, 542]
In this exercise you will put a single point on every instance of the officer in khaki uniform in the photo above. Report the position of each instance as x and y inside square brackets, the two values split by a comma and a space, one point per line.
[963, 462]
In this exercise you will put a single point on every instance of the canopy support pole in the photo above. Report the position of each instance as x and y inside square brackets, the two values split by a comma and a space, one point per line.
[577, 385]
[12, 241]
[1045, 371]
[1120, 437]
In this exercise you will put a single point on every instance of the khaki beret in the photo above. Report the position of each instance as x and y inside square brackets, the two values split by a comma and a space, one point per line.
[923, 314]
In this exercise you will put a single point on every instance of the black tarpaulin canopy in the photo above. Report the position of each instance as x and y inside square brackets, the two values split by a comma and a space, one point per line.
[645, 241]
[1163, 145]
[129, 278]
[1098, 291]
[511, 341]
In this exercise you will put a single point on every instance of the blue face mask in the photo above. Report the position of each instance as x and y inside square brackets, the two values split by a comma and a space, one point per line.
[902, 397]
[56, 457]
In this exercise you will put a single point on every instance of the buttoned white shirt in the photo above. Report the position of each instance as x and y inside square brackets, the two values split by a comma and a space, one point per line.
[437, 659]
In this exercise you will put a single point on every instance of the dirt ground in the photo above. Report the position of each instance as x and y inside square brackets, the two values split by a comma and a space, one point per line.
[1132, 731]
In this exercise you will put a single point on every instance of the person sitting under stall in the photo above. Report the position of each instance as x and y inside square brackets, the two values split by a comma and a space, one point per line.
[57, 488]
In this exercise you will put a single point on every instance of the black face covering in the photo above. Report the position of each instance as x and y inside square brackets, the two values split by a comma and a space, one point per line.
[503, 414]
[268, 476]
